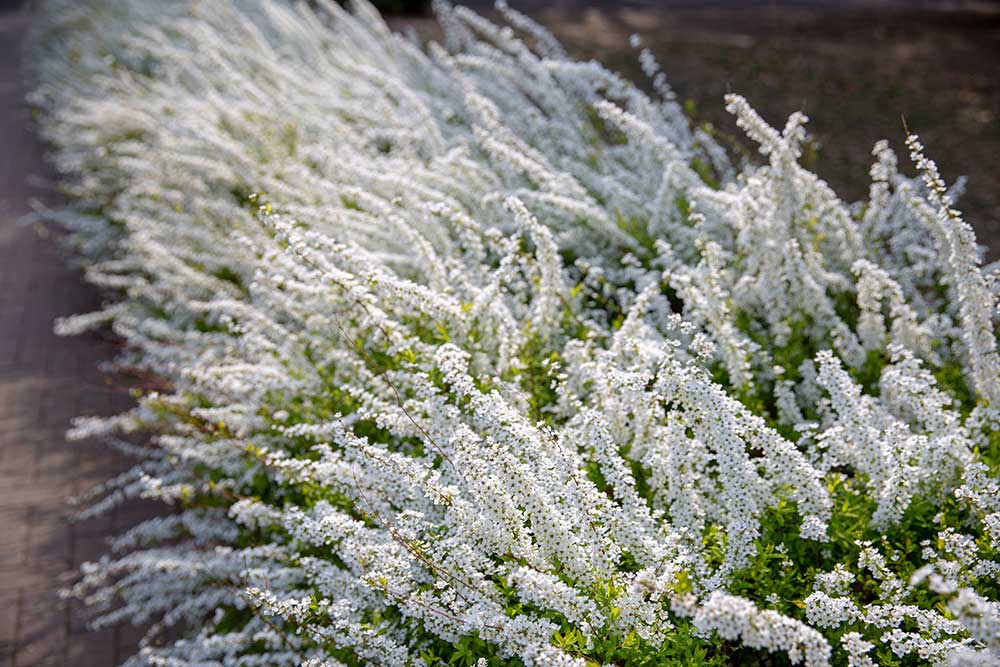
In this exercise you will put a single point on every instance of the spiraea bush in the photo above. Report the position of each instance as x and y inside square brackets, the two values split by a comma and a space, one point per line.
[473, 354]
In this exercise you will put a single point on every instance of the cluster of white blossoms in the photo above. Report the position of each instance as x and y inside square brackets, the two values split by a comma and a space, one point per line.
[472, 354]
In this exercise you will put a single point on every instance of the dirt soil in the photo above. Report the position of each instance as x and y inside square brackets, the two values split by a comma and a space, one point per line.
[857, 68]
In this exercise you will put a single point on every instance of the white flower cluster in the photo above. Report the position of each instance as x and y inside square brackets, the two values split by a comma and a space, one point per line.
[470, 353]
[737, 618]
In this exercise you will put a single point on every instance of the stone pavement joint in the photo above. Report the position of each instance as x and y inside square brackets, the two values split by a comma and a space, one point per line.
[45, 380]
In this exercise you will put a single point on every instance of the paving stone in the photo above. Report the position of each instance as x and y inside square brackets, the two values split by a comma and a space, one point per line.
[93, 648]
[45, 381]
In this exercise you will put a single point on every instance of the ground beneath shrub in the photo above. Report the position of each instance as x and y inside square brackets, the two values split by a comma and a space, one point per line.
[857, 68]
[44, 382]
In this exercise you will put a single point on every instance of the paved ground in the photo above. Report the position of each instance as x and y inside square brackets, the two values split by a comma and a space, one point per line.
[44, 382]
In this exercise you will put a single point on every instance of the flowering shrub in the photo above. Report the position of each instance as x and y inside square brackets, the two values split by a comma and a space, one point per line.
[473, 354]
